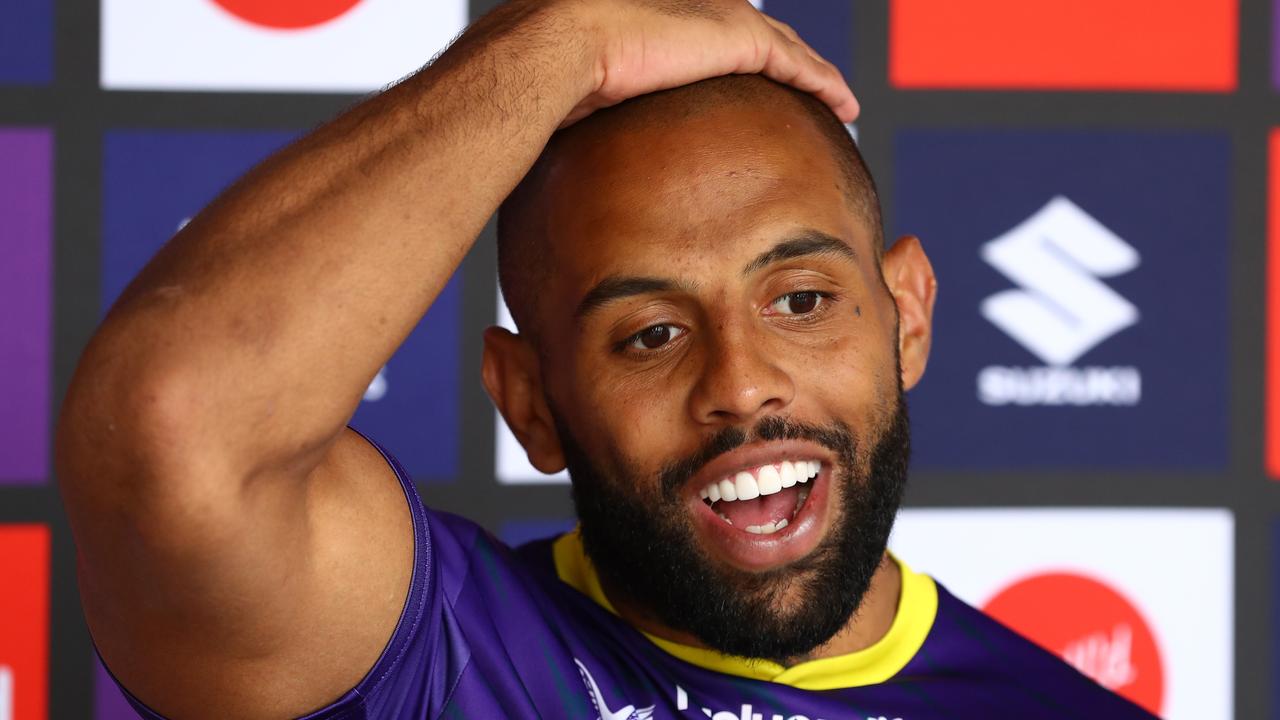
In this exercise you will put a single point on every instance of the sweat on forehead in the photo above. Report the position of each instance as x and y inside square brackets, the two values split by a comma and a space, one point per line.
[523, 247]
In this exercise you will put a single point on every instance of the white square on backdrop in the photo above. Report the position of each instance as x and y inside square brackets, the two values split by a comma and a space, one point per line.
[1174, 566]
[511, 464]
[246, 45]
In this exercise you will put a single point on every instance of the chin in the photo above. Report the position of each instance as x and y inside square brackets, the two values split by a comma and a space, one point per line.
[751, 558]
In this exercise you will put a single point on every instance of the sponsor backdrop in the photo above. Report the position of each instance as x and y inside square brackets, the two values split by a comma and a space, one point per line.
[1097, 440]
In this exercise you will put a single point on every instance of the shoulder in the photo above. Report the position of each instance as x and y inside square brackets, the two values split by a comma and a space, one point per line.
[971, 646]
[472, 607]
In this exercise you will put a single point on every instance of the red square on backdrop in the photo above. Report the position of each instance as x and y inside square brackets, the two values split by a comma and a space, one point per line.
[1078, 45]
[24, 621]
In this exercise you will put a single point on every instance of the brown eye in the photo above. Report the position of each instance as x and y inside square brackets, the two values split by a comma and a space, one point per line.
[798, 303]
[652, 338]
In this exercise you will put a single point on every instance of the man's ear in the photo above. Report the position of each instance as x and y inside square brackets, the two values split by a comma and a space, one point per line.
[910, 278]
[512, 376]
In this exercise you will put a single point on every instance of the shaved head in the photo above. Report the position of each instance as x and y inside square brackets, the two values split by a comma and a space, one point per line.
[524, 251]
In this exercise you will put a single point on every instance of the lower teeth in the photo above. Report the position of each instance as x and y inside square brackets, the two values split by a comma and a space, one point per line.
[767, 528]
[802, 494]
[800, 498]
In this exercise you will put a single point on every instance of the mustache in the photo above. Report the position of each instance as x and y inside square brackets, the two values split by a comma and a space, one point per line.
[835, 437]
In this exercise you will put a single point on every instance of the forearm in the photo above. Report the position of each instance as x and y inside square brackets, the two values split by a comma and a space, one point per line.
[258, 327]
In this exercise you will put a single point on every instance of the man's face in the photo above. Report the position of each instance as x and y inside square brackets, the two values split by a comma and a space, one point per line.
[716, 325]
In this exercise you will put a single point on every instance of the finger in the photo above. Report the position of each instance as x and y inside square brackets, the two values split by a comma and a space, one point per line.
[791, 62]
[791, 34]
[782, 27]
[790, 37]
[848, 108]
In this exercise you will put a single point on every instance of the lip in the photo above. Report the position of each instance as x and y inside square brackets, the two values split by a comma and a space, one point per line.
[756, 553]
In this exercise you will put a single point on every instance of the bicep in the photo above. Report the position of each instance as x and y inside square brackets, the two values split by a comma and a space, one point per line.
[269, 603]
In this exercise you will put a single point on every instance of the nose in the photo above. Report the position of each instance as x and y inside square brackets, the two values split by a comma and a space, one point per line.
[740, 381]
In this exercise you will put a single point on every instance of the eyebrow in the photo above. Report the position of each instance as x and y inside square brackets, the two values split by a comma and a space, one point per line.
[615, 288]
[808, 242]
[618, 287]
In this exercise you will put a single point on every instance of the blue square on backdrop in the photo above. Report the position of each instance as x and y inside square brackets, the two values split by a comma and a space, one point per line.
[154, 181]
[826, 25]
[26, 42]
[1082, 315]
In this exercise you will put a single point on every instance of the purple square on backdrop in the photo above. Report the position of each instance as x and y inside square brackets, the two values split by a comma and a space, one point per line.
[26, 220]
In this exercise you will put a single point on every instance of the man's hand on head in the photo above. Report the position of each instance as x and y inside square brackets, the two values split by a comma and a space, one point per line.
[642, 46]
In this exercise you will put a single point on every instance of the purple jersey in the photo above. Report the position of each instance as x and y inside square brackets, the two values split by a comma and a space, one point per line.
[493, 632]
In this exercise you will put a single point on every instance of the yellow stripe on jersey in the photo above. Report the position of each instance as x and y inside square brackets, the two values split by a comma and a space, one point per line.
[917, 608]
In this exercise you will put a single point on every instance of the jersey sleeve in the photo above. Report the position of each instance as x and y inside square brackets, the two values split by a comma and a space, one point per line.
[419, 664]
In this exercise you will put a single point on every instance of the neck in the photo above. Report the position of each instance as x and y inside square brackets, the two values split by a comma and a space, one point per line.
[864, 628]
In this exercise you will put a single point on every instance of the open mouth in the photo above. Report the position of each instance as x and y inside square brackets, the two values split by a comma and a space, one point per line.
[765, 499]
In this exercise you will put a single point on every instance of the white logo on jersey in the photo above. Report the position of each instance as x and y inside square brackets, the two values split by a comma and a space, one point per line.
[597, 700]
[748, 712]
[1061, 311]
[6, 692]
[377, 387]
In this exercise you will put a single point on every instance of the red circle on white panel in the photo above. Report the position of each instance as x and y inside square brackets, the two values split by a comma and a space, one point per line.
[1092, 626]
[287, 14]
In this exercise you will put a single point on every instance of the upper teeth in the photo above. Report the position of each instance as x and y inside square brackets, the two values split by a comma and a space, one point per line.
[764, 480]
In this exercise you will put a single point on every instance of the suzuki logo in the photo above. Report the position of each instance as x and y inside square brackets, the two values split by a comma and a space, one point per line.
[1061, 311]
[1056, 256]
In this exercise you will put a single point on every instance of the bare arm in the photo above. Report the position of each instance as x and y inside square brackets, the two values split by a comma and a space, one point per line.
[240, 553]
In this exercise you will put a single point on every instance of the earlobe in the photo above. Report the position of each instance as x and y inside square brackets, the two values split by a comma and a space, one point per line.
[911, 281]
[511, 374]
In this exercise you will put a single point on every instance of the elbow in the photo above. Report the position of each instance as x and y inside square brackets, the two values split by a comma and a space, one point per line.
[124, 423]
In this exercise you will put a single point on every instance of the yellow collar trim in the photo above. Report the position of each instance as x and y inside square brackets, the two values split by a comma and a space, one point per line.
[917, 609]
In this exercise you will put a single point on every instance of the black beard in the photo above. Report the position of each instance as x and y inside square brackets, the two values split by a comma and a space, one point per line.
[647, 550]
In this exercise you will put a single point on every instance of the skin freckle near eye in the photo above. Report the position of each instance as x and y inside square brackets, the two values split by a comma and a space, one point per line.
[857, 310]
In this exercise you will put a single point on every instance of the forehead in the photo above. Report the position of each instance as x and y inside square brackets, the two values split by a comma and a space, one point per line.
[712, 188]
